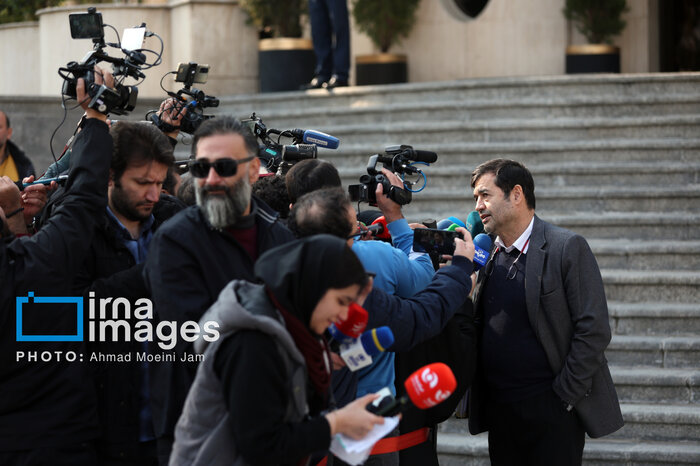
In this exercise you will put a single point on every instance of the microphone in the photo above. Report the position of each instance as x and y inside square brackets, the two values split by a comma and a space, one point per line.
[445, 223]
[375, 229]
[380, 225]
[474, 224]
[61, 179]
[348, 330]
[482, 248]
[427, 387]
[358, 354]
[425, 156]
[310, 136]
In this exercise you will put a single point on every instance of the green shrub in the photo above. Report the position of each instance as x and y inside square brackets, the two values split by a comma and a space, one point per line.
[598, 20]
[385, 21]
[276, 18]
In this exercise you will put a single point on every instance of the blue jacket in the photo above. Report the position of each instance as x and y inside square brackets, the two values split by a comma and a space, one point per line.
[400, 272]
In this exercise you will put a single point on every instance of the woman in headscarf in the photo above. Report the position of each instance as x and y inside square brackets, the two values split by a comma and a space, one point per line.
[262, 391]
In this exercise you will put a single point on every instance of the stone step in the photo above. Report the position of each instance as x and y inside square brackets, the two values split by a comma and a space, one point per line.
[587, 174]
[457, 108]
[505, 89]
[459, 449]
[427, 133]
[531, 153]
[605, 225]
[647, 255]
[580, 199]
[646, 422]
[654, 318]
[653, 350]
[654, 385]
[634, 286]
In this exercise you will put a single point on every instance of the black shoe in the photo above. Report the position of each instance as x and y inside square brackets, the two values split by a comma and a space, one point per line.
[316, 83]
[336, 82]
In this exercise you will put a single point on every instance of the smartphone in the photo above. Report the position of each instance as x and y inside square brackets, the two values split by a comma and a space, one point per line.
[434, 240]
[85, 25]
[201, 72]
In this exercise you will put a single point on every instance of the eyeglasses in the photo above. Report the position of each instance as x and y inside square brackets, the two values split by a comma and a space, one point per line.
[223, 167]
[361, 230]
[512, 270]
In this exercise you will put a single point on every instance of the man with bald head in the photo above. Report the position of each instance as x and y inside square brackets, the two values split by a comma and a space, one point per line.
[13, 162]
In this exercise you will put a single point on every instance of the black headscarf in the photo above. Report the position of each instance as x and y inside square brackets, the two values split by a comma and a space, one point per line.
[299, 273]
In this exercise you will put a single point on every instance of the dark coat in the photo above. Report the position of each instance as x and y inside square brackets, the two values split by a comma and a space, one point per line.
[52, 404]
[568, 312]
[24, 166]
[188, 265]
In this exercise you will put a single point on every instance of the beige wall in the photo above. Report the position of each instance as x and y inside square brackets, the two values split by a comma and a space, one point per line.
[509, 38]
[19, 59]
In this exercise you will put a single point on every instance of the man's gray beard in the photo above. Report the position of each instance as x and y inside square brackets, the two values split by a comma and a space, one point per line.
[224, 211]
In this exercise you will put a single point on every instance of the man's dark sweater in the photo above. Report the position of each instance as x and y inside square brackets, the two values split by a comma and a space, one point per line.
[514, 362]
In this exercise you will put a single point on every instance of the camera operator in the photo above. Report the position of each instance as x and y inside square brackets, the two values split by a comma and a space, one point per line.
[47, 411]
[196, 254]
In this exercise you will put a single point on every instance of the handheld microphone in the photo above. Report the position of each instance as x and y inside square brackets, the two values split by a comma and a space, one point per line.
[482, 248]
[427, 387]
[375, 229]
[445, 223]
[358, 354]
[474, 224]
[61, 179]
[348, 330]
[380, 223]
[310, 136]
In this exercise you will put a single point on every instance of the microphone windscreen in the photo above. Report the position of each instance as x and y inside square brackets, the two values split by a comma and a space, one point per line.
[424, 156]
[474, 224]
[482, 250]
[320, 139]
[446, 223]
[384, 234]
[353, 326]
[430, 385]
[377, 340]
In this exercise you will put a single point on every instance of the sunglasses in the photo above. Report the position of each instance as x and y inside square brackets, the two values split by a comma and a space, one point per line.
[223, 167]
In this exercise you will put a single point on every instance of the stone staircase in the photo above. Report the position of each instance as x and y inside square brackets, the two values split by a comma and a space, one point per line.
[615, 158]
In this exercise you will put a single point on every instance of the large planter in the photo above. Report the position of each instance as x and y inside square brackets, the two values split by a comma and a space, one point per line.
[380, 68]
[592, 58]
[285, 64]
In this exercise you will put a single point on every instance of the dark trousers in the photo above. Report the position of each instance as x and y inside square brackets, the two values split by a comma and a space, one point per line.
[330, 34]
[82, 454]
[538, 431]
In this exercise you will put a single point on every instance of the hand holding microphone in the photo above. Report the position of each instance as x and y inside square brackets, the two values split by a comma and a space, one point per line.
[358, 354]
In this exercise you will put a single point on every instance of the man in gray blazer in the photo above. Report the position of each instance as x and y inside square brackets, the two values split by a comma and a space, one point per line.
[542, 318]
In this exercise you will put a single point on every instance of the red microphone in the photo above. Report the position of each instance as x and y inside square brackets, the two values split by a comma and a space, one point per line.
[427, 387]
[348, 330]
[382, 232]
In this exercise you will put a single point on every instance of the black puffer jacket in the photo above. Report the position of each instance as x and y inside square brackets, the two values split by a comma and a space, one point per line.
[52, 403]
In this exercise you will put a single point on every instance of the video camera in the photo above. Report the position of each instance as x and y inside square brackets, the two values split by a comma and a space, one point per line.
[398, 159]
[122, 98]
[279, 158]
[193, 101]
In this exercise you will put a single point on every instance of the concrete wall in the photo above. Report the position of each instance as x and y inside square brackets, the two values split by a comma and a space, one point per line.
[19, 58]
[509, 38]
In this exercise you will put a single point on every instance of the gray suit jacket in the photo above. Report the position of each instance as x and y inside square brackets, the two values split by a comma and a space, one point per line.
[568, 312]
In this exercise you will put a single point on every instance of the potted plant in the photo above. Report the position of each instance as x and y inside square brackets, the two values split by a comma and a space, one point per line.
[599, 21]
[386, 22]
[285, 60]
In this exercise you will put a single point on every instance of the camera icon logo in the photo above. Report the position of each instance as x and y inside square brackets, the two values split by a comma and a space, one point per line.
[30, 298]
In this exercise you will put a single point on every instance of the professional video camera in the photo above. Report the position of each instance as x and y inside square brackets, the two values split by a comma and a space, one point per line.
[278, 157]
[188, 99]
[122, 98]
[398, 159]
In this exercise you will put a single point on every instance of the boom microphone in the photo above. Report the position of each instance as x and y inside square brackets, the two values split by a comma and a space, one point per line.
[310, 136]
[358, 354]
[482, 250]
[426, 387]
[348, 330]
